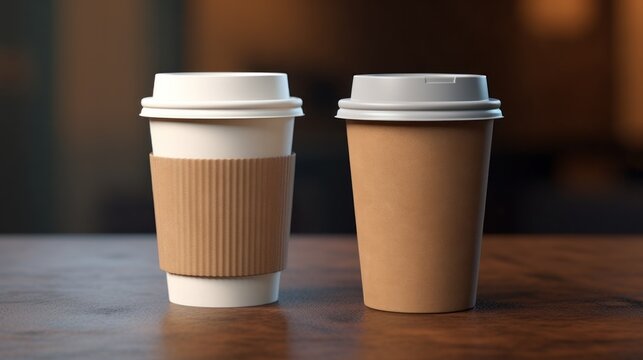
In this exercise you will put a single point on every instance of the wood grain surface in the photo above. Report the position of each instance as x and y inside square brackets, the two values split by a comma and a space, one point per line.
[103, 297]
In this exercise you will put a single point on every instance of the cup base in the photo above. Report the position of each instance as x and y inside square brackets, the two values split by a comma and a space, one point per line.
[445, 310]
[223, 292]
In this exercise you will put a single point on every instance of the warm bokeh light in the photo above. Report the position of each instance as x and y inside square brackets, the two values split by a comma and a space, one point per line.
[567, 19]
[628, 71]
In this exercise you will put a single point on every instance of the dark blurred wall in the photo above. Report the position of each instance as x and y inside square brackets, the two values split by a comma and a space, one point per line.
[26, 103]
[568, 157]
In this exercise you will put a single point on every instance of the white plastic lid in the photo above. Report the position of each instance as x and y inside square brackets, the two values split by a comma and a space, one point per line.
[419, 97]
[221, 95]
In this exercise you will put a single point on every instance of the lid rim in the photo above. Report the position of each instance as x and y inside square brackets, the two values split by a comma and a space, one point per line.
[419, 116]
[486, 104]
[167, 113]
[288, 103]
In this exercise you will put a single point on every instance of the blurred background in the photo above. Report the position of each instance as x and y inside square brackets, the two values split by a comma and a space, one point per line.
[567, 158]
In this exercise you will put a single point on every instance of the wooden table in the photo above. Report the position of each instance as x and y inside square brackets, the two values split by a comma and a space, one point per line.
[103, 297]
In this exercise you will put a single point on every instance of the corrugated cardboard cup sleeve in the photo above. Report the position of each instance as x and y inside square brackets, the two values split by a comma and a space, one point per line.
[222, 217]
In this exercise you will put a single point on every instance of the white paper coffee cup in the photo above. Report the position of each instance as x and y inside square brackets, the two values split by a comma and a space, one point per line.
[222, 116]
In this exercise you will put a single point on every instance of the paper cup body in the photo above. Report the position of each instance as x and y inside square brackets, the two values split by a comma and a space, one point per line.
[222, 138]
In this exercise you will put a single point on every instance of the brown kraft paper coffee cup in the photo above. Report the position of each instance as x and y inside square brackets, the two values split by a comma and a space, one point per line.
[419, 147]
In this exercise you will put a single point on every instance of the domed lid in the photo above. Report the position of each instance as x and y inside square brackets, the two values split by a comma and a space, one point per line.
[419, 97]
[221, 95]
